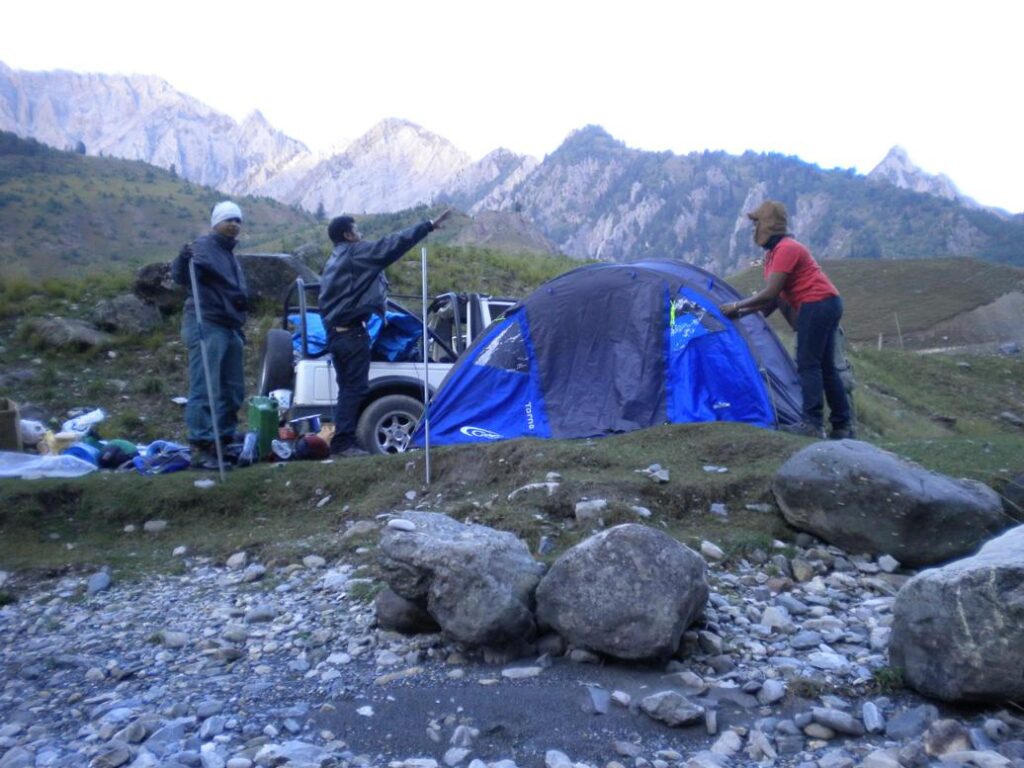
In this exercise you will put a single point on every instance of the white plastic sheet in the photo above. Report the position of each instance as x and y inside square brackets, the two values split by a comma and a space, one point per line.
[30, 466]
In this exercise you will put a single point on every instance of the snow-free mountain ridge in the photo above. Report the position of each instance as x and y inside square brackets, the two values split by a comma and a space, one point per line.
[593, 197]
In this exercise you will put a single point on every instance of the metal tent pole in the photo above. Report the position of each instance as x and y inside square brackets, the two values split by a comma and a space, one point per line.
[426, 368]
[206, 365]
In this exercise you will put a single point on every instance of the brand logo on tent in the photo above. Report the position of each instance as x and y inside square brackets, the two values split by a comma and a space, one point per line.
[486, 434]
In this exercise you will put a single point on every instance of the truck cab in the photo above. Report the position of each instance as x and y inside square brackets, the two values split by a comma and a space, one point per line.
[295, 359]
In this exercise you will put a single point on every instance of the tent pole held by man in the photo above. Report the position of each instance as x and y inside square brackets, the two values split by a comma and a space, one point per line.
[206, 367]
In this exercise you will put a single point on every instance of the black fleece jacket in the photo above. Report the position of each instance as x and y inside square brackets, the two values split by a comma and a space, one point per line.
[223, 293]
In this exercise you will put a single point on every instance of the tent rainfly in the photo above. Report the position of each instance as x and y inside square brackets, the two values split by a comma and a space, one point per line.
[610, 348]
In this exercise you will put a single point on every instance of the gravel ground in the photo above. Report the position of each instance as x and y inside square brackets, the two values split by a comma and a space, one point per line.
[235, 665]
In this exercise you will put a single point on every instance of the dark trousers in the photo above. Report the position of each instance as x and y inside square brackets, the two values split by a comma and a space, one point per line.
[350, 351]
[816, 325]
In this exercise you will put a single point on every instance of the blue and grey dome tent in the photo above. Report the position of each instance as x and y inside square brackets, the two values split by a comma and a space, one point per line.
[610, 348]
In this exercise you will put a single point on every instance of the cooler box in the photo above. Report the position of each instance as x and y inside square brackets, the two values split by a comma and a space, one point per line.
[263, 421]
[10, 426]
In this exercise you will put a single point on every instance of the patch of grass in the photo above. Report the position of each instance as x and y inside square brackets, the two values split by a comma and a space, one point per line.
[365, 591]
[887, 680]
[152, 385]
[808, 687]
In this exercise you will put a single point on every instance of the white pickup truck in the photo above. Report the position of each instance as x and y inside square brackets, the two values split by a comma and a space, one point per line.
[293, 360]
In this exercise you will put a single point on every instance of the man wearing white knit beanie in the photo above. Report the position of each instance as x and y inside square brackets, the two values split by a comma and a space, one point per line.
[223, 304]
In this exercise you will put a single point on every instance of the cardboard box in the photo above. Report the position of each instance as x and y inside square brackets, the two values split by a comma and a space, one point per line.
[10, 425]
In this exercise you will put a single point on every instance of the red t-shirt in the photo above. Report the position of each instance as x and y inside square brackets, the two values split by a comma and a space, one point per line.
[805, 282]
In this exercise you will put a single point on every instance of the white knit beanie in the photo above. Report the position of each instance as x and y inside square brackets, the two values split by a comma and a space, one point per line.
[224, 210]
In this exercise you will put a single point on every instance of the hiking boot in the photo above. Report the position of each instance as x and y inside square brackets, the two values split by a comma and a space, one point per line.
[842, 433]
[804, 430]
[204, 456]
[353, 451]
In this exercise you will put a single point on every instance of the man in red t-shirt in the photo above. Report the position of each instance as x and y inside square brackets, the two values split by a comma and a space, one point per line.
[796, 284]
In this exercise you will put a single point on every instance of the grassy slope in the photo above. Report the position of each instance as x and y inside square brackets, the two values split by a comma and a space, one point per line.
[918, 294]
[64, 213]
[942, 411]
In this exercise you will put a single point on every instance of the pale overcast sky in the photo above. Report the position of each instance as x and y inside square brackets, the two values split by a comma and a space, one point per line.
[836, 84]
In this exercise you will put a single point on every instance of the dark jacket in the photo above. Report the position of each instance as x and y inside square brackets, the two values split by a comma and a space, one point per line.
[353, 285]
[223, 293]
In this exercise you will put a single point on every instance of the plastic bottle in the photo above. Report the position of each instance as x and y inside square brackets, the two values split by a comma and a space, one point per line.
[250, 453]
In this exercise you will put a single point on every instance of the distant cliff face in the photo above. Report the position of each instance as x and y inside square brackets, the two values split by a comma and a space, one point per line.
[396, 165]
[142, 118]
[592, 197]
[897, 169]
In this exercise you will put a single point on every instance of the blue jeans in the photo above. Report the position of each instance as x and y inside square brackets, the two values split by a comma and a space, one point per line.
[225, 352]
[350, 352]
[816, 325]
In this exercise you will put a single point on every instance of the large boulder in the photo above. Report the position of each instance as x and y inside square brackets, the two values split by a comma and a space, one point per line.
[126, 314]
[270, 275]
[629, 592]
[153, 284]
[958, 630]
[476, 582]
[64, 333]
[863, 499]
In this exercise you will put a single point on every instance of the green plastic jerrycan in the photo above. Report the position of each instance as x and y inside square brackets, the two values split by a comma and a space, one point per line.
[263, 421]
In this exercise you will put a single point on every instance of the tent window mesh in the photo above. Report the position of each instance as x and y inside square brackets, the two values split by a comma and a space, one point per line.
[506, 350]
[692, 319]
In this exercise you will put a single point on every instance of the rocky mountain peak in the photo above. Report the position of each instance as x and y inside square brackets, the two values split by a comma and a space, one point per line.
[898, 169]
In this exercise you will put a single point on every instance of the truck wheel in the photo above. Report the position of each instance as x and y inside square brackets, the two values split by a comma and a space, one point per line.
[387, 424]
[276, 370]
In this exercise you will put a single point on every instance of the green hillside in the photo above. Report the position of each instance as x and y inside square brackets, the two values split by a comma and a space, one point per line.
[63, 212]
[906, 296]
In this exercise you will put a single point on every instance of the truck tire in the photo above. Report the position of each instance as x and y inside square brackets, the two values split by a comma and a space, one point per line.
[387, 424]
[276, 366]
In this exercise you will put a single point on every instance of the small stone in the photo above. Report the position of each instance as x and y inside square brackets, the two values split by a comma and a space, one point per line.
[621, 698]
[671, 708]
[253, 572]
[771, 692]
[711, 551]
[520, 673]
[154, 526]
[590, 509]
[454, 756]
[874, 721]
[840, 722]
[555, 759]
[888, 563]
[98, 582]
[400, 524]
[260, 614]
[237, 561]
[172, 639]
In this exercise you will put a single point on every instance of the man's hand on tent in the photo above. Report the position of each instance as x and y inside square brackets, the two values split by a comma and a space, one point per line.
[731, 311]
